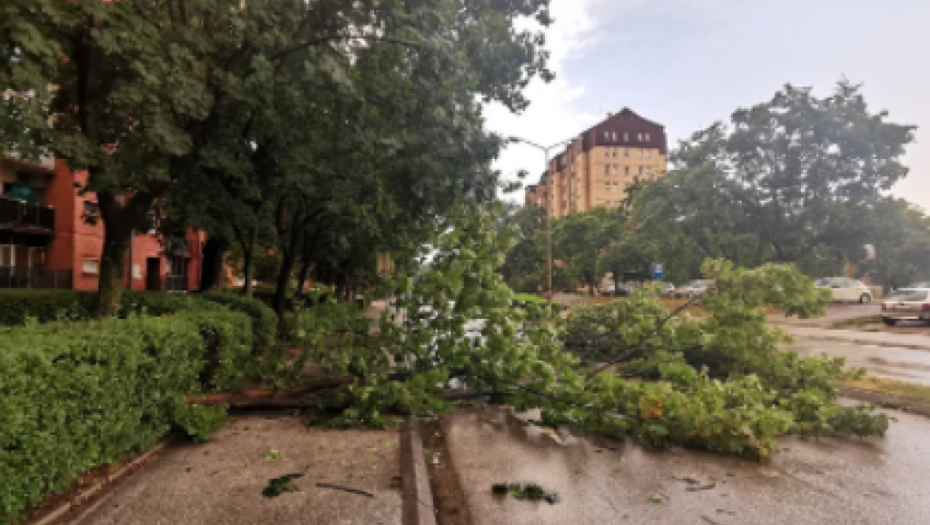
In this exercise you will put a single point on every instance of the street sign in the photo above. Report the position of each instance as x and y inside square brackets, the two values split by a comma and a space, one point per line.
[658, 270]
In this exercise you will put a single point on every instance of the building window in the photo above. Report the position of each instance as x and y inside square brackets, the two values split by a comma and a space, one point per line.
[91, 208]
[647, 137]
[90, 267]
[626, 137]
[626, 152]
[641, 154]
[607, 152]
[606, 135]
[639, 137]
[615, 169]
[607, 169]
[606, 186]
[648, 154]
[626, 171]
[640, 170]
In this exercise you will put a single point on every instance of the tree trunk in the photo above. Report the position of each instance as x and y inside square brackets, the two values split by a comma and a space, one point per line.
[112, 270]
[284, 277]
[214, 254]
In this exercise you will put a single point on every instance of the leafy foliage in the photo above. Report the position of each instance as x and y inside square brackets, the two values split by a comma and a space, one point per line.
[199, 422]
[719, 382]
[16, 306]
[264, 320]
[76, 395]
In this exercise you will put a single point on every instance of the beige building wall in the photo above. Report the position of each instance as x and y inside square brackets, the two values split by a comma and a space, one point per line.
[615, 168]
[598, 166]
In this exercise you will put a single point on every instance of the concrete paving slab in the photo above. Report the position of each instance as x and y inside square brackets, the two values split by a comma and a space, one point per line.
[830, 481]
[220, 482]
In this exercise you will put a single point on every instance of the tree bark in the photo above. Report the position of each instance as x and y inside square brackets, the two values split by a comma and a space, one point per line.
[112, 269]
[214, 254]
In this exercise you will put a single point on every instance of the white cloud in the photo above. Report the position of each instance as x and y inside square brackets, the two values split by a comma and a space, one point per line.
[553, 115]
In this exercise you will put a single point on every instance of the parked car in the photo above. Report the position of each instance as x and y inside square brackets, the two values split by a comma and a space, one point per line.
[906, 304]
[695, 288]
[666, 289]
[845, 289]
[611, 290]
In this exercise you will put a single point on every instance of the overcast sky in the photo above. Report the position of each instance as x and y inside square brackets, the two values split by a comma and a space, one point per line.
[689, 63]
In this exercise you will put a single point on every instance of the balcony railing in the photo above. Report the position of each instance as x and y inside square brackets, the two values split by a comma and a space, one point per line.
[175, 283]
[37, 278]
[15, 214]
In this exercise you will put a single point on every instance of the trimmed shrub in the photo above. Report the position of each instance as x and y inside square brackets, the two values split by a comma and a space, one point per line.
[43, 305]
[264, 320]
[50, 305]
[77, 395]
[227, 346]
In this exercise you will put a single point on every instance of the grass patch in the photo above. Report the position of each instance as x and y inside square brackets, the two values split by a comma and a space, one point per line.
[858, 321]
[903, 389]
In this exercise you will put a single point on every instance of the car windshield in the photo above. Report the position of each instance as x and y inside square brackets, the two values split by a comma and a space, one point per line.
[826, 281]
[908, 295]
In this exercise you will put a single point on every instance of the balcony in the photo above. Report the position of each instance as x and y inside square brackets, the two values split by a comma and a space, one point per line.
[36, 278]
[176, 283]
[26, 218]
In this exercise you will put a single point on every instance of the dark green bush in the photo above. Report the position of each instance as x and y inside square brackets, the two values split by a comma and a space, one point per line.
[75, 395]
[49, 305]
[43, 305]
[227, 346]
[264, 320]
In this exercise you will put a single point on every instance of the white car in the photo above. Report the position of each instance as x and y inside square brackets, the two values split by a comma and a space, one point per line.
[906, 304]
[845, 289]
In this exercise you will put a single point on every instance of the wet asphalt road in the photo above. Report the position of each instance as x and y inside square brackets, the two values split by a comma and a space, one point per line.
[880, 361]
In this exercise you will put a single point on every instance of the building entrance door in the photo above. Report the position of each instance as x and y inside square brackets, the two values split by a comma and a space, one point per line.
[153, 274]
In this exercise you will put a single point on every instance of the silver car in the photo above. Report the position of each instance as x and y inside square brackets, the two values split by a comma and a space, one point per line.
[906, 304]
[695, 288]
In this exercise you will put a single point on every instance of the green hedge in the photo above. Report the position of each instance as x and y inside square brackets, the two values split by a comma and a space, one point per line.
[264, 320]
[50, 305]
[77, 395]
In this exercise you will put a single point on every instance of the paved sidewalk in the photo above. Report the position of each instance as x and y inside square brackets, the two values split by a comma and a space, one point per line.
[912, 341]
[221, 482]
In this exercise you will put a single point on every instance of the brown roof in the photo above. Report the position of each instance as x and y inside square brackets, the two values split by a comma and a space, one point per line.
[629, 123]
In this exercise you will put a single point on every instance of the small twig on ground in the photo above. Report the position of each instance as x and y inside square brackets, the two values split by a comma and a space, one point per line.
[702, 487]
[345, 489]
[708, 520]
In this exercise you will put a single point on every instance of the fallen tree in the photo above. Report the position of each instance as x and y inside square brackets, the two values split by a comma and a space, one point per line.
[718, 382]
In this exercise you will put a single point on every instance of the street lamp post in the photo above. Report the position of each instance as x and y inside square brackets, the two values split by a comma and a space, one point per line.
[549, 185]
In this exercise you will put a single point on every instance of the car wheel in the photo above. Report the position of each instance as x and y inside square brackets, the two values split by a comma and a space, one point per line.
[865, 298]
[889, 322]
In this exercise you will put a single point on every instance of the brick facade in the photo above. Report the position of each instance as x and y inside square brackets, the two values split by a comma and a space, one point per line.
[76, 244]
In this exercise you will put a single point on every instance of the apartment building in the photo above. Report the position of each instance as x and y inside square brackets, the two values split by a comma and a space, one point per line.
[596, 167]
[49, 238]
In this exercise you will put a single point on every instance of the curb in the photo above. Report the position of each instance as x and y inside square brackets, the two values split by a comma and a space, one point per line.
[869, 396]
[55, 516]
[834, 339]
[418, 506]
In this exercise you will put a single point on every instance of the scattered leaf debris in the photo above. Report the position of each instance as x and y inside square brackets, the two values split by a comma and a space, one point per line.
[525, 491]
[280, 485]
[272, 455]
